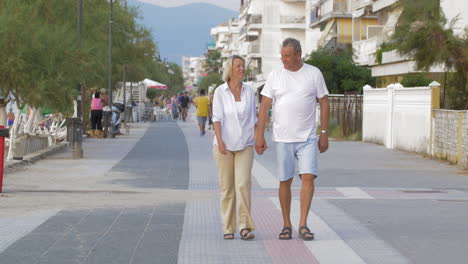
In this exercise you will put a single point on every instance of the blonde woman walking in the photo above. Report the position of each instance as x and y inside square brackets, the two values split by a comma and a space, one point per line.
[234, 120]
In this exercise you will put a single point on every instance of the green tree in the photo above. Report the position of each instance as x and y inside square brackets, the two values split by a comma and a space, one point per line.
[151, 94]
[415, 80]
[213, 61]
[211, 78]
[42, 65]
[424, 34]
[339, 70]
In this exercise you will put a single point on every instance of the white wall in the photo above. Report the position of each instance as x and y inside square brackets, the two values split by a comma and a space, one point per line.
[398, 117]
[374, 118]
[411, 128]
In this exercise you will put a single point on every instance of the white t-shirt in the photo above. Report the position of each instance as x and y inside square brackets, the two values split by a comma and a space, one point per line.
[294, 97]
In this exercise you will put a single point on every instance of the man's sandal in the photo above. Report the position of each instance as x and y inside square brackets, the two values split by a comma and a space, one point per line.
[286, 233]
[246, 234]
[305, 235]
[228, 236]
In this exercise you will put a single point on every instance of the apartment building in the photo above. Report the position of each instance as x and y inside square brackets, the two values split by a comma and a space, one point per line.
[227, 37]
[392, 67]
[192, 69]
[261, 27]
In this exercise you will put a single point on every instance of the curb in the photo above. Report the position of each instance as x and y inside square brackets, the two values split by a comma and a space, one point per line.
[30, 158]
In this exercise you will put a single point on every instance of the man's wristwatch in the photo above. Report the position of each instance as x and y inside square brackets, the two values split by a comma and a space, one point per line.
[324, 131]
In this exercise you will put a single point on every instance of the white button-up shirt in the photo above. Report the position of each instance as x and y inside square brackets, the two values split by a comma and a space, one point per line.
[237, 119]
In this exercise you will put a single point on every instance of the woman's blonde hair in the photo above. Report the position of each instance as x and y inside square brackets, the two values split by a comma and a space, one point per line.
[227, 72]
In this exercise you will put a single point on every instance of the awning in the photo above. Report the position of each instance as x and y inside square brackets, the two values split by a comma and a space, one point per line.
[153, 84]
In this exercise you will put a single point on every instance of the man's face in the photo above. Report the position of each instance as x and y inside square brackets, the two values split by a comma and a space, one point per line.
[291, 59]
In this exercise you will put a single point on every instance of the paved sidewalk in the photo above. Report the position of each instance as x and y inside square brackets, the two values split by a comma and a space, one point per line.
[152, 197]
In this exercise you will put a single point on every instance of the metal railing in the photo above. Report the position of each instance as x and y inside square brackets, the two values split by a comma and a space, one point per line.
[340, 6]
[254, 19]
[254, 48]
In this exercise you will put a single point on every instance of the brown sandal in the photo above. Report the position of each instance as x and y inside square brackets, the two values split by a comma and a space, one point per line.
[246, 235]
[305, 235]
[286, 233]
[229, 236]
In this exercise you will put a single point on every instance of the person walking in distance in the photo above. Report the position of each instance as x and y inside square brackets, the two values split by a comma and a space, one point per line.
[96, 115]
[203, 110]
[184, 105]
[294, 88]
[234, 119]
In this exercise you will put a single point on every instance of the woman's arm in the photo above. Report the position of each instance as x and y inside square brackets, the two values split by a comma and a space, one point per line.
[219, 137]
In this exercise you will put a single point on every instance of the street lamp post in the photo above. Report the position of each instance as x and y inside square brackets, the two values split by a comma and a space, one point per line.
[124, 98]
[75, 125]
[111, 2]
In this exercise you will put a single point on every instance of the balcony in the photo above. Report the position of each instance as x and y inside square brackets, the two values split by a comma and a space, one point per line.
[254, 19]
[254, 47]
[292, 19]
[340, 6]
[361, 3]
[329, 9]
[364, 51]
[246, 34]
[381, 4]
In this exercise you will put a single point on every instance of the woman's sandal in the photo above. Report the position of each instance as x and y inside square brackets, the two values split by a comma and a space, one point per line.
[229, 236]
[246, 234]
[286, 233]
[305, 235]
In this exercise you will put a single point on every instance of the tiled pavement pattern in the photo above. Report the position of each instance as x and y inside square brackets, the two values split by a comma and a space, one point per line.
[156, 162]
[174, 156]
[201, 239]
[14, 227]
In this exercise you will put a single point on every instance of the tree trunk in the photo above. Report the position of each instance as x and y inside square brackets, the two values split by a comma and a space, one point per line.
[13, 135]
[28, 128]
[3, 115]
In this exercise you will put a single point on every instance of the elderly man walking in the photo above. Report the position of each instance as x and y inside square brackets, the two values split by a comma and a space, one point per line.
[294, 88]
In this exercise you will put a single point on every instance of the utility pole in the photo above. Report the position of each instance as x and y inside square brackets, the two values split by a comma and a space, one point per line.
[75, 125]
[111, 2]
[124, 98]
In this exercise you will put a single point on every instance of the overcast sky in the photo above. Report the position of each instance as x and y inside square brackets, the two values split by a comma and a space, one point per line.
[229, 4]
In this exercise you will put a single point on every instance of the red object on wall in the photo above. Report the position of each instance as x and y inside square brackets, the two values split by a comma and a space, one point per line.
[2, 153]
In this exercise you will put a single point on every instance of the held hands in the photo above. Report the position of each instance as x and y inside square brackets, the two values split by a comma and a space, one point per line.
[260, 144]
[323, 142]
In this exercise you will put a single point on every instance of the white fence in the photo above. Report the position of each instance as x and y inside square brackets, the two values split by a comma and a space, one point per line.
[399, 117]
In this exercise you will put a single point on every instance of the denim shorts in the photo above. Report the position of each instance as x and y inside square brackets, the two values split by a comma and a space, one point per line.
[202, 120]
[305, 153]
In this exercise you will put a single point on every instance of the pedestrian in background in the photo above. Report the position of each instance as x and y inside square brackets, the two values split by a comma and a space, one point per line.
[96, 115]
[175, 106]
[203, 110]
[185, 104]
[294, 88]
[11, 118]
[234, 119]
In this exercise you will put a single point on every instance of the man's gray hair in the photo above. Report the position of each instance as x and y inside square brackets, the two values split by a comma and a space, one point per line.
[294, 43]
[227, 72]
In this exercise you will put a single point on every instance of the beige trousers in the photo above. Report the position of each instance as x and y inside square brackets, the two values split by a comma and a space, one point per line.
[235, 184]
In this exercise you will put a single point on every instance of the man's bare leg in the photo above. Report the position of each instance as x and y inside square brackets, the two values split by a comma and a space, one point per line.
[307, 193]
[285, 202]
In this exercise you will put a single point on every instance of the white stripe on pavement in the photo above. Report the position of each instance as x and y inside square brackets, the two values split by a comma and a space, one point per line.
[354, 193]
[327, 247]
[264, 178]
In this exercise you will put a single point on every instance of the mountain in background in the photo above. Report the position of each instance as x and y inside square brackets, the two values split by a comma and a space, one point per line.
[184, 30]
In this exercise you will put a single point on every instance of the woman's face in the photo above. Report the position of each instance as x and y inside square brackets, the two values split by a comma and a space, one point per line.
[238, 69]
